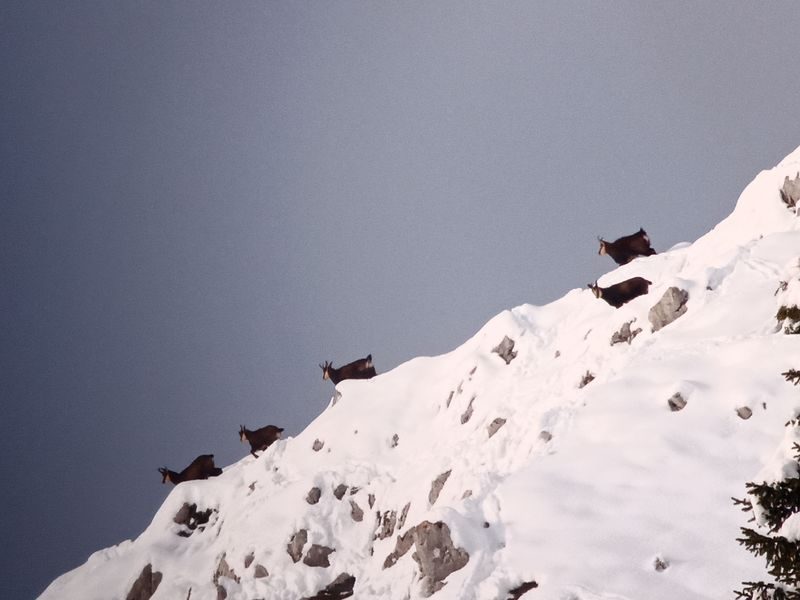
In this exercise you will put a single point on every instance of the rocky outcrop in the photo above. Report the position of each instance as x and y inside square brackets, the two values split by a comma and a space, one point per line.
[790, 192]
[495, 425]
[671, 306]
[403, 514]
[676, 402]
[505, 350]
[356, 513]
[340, 491]
[145, 585]
[521, 589]
[625, 334]
[467, 414]
[192, 519]
[437, 485]
[341, 587]
[295, 546]
[386, 524]
[317, 445]
[314, 495]
[317, 556]
[436, 556]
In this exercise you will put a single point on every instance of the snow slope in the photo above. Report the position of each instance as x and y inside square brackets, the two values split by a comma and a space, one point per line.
[582, 489]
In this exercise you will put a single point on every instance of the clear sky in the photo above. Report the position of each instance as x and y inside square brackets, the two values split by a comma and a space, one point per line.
[200, 202]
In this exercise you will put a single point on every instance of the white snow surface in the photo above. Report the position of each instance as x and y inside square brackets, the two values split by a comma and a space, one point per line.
[621, 481]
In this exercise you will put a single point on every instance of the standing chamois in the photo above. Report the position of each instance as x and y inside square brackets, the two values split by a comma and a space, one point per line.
[358, 369]
[202, 467]
[260, 439]
[624, 291]
[625, 249]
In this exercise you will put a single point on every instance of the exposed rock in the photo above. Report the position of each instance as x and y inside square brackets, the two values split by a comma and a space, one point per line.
[790, 315]
[437, 485]
[790, 192]
[317, 445]
[224, 570]
[314, 494]
[402, 545]
[340, 491]
[557, 354]
[341, 587]
[587, 378]
[521, 589]
[145, 585]
[260, 572]
[744, 412]
[545, 435]
[505, 350]
[386, 524]
[403, 514]
[436, 556]
[371, 500]
[671, 306]
[396, 439]
[495, 425]
[466, 494]
[317, 556]
[295, 545]
[192, 519]
[355, 512]
[248, 560]
[625, 334]
[449, 399]
[676, 402]
[660, 564]
[467, 415]
[354, 490]
[222, 593]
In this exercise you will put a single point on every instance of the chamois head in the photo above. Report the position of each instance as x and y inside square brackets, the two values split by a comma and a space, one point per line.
[602, 250]
[595, 289]
[326, 370]
[242, 435]
[165, 475]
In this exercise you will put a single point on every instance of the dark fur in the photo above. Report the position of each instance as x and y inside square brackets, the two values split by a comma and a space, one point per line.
[260, 439]
[202, 467]
[624, 291]
[358, 369]
[625, 249]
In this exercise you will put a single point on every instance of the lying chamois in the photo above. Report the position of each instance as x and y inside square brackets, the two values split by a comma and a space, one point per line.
[202, 467]
[260, 439]
[625, 249]
[624, 291]
[358, 369]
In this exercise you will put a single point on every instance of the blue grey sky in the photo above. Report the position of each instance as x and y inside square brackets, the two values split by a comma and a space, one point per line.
[202, 201]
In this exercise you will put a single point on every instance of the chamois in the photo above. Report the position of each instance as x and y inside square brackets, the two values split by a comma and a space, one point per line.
[202, 467]
[260, 439]
[358, 369]
[625, 249]
[624, 291]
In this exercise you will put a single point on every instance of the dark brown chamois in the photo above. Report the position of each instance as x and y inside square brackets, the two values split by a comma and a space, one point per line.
[625, 249]
[624, 291]
[260, 439]
[358, 369]
[202, 467]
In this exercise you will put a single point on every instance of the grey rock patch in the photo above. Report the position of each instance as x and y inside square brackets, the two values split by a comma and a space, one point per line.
[790, 192]
[145, 585]
[436, 555]
[744, 412]
[676, 402]
[260, 572]
[340, 491]
[192, 519]
[314, 494]
[505, 350]
[386, 525]
[317, 556]
[587, 378]
[495, 425]
[403, 514]
[521, 589]
[317, 445]
[449, 399]
[295, 546]
[472, 372]
[466, 494]
[248, 560]
[437, 485]
[467, 415]
[395, 441]
[222, 593]
[371, 500]
[557, 354]
[625, 335]
[224, 570]
[402, 545]
[341, 587]
[355, 512]
[660, 564]
[545, 435]
[671, 306]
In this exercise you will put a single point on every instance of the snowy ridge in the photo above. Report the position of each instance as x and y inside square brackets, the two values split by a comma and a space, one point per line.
[582, 489]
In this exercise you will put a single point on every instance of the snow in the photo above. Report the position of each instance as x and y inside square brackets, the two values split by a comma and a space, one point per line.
[619, 482]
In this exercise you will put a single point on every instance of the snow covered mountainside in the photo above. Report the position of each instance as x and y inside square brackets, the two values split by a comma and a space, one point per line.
[579, 470]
